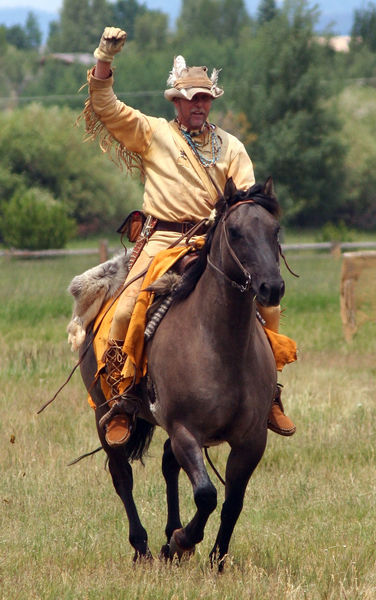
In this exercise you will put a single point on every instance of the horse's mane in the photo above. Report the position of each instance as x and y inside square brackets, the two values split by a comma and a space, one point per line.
[257, 194]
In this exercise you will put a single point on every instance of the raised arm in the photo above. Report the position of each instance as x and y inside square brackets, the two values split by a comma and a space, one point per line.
[104, 111]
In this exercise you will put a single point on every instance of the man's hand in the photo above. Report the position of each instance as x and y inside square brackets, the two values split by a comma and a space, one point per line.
[111, 42]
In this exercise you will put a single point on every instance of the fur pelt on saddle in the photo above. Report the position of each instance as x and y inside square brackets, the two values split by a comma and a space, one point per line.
[93, 288]
[90, 291]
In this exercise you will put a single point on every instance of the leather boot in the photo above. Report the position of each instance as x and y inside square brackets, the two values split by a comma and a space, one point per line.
[116, 422]
[277, 420]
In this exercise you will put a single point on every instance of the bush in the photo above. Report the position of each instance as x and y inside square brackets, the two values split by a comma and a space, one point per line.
[335, 232]
[40, 147]
[34, 220]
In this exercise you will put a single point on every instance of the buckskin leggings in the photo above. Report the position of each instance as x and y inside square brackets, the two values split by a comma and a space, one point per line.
[122, 316]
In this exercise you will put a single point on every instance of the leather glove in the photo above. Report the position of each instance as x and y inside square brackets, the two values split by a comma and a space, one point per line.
[111, 42]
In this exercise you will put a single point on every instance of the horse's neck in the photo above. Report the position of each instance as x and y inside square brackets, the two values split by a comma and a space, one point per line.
[225, 307]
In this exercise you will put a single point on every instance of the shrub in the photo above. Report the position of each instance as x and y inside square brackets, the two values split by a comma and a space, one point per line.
[40, 147]
[335, 232]
[34, 220]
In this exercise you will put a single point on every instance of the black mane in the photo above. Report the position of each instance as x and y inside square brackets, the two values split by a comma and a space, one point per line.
[256, 193]
[269, 202]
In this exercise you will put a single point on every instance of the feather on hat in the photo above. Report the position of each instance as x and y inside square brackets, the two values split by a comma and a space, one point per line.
[185, 81]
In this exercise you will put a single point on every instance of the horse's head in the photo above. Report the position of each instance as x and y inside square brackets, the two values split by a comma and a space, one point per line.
[245, 245]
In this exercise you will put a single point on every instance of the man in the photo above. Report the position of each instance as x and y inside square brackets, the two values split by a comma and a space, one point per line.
[184, 163]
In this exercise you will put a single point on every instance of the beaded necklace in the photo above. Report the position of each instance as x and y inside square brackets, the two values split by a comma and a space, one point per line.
[214, 142]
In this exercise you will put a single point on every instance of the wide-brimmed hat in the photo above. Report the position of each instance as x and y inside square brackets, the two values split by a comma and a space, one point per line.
[185, 81]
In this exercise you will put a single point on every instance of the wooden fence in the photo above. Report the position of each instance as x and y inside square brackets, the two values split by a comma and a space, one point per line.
[355, 267]
[104, 251]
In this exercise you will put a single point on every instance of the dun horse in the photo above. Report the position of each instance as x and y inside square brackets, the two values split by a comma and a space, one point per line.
[211, 374]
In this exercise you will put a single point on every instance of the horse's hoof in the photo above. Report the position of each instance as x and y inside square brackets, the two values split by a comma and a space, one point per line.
[165, 553]
[140, 557]
[217, 561]
[177, 549]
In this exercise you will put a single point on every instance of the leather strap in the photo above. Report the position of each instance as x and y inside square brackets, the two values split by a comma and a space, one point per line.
[182, 227]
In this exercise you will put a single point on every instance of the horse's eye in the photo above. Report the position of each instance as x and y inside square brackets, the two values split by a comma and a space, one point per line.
[234, 233]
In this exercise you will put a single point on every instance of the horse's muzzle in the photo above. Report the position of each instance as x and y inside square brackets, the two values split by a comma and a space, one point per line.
[271, 292]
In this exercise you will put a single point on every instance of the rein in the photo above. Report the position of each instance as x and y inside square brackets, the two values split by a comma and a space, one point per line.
[245, 287]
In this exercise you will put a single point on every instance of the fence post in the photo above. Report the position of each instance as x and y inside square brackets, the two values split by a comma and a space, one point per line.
[103, 251]
[335, 249]
[358, 290]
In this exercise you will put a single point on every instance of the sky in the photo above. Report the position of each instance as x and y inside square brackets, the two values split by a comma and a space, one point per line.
[337, 11]
[170, 5]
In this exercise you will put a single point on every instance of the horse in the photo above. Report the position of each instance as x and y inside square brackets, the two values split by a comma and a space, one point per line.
[211, 375]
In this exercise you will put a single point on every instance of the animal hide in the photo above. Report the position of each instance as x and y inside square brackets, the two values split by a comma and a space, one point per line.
[90, 291]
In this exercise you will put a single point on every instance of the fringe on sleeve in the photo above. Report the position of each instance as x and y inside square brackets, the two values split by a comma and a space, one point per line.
[96, 130]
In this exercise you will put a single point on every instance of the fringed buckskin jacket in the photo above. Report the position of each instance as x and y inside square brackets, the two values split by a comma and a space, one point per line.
[173, 189]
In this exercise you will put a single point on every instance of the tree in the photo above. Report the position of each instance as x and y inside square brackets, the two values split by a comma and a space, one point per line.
[150, 30]
[281, 92]
[266, 11]
[41, 148]
[234, 18]
[140, 78]
[80, 26]
[125, 13]
[217, 19]
[364, 27]
[16, 37]
[24, 38]
[199, 18]
[32, 31]
[16, 71]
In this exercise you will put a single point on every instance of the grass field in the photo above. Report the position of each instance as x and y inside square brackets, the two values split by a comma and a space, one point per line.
[308, 525]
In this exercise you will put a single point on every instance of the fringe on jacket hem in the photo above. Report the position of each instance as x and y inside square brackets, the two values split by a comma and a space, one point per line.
[96, 130]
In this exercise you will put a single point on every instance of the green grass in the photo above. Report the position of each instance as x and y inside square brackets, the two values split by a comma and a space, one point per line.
[307, 527]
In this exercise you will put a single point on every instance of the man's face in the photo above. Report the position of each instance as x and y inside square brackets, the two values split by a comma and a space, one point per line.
[193, 113]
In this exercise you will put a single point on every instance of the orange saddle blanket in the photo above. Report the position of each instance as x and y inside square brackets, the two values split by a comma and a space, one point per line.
[284, 348]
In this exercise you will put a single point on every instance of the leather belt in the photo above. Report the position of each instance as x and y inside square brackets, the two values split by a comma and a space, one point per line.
[182, 227]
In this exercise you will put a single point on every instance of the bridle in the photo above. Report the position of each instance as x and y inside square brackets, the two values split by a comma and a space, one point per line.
[246, 286]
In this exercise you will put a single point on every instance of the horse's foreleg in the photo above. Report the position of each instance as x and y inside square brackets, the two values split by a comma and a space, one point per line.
[171, 470]
[122, 477]
[189, 455]
[240, 465]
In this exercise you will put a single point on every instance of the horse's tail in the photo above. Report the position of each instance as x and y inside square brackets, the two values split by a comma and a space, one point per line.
[139, 441]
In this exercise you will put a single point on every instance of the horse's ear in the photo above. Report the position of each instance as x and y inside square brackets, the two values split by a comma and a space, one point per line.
[269, 187]
[230, 190]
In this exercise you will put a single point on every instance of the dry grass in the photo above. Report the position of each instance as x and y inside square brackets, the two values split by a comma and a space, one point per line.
[306, 531]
